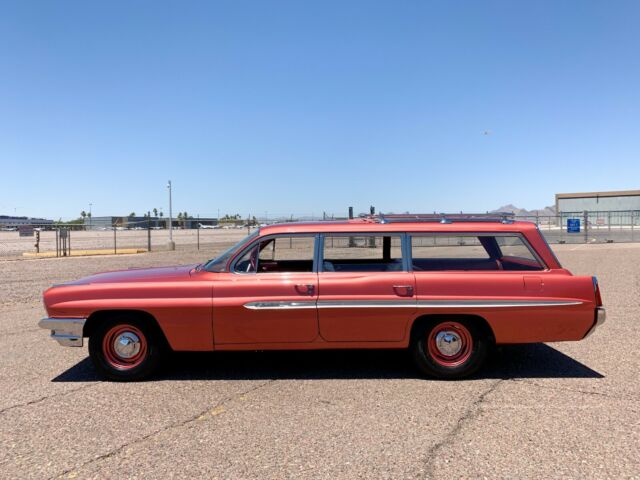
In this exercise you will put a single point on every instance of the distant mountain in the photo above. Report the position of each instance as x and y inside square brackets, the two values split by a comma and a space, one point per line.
[546, 211]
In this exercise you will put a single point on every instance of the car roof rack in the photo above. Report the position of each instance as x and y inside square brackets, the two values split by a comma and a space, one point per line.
[502, 217]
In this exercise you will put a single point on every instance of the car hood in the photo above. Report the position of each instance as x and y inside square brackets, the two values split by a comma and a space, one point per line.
[158, 274]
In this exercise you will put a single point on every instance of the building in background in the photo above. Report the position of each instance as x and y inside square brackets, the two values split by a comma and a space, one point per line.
[108, 222]
[9, 221]
[624, 200]
[600, 209]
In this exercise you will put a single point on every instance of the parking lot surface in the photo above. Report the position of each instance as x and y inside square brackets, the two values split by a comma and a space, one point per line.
[544, 410]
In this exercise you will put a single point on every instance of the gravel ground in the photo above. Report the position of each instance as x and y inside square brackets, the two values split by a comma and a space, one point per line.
[544, 410]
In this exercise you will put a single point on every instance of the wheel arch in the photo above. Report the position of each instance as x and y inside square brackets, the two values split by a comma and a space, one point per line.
[429, 318]
[99, 316]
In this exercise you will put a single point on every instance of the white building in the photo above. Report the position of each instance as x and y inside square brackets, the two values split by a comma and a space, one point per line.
[624, 200]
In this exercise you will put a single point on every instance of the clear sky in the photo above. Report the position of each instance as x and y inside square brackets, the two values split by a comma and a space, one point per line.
[300, 106]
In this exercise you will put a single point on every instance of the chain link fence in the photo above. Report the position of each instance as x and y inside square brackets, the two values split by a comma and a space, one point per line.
[588, 227]
[53, 240]
[34, 240]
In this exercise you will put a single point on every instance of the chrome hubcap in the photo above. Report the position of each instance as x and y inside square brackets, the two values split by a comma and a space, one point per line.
[126, 345]
[448, 343]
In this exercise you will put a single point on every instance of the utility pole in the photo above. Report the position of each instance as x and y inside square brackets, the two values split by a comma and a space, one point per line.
[172, 245]
[90, 205]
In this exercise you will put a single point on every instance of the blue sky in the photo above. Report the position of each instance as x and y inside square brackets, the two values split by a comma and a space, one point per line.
[299, 106]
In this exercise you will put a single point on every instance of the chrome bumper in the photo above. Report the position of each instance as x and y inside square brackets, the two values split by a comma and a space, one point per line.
[601, 316]
[67, 331]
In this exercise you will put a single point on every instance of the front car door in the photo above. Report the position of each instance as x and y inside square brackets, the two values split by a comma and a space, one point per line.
[270, 294]
[366, 291]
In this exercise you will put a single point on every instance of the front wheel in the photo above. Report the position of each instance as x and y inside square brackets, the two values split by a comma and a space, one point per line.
[449, 349]
[125, 349]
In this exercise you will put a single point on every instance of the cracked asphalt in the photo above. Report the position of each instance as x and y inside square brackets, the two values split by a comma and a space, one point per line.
[569, 410]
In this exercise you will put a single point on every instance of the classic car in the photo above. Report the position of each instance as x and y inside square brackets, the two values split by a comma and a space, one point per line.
[447, 287]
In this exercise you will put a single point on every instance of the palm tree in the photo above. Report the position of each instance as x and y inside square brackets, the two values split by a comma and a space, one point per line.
[155, 212]
[83, 214]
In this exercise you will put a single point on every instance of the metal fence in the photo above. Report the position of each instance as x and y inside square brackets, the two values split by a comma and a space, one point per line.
[62, 240]
[28, 241]
[588, 227]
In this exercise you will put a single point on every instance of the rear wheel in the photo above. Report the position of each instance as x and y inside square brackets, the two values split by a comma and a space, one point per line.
[125, 348]
[449, 348]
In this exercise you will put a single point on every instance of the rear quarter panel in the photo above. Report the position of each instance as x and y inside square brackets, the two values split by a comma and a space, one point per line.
[532, 322]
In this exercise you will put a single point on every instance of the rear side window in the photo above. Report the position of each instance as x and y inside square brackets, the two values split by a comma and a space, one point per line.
[468, 252]
[364, 253]
[515, 250]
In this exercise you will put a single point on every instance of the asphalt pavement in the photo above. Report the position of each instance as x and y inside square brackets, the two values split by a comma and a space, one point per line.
[569, 410]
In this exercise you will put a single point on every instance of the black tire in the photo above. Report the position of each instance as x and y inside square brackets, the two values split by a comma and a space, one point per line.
[105, 357]
[473, 341]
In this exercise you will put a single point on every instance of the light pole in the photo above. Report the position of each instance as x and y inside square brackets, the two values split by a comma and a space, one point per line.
[172, 245]
[90, 205]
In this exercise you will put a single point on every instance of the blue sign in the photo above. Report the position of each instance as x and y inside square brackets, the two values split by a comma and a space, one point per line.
[573, 225]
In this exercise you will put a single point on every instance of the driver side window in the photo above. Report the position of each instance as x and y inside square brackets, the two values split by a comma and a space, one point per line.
[287, 253]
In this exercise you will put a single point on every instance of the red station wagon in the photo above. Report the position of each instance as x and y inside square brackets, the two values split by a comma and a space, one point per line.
[447, 287]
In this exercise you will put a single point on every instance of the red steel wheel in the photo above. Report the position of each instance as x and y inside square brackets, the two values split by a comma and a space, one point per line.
[124, 347]
[450, 348]
[450, 344]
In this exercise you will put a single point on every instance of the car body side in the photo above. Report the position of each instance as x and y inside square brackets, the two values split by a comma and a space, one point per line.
[199, 310]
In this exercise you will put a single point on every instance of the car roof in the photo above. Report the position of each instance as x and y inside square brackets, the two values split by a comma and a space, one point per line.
[367, 226]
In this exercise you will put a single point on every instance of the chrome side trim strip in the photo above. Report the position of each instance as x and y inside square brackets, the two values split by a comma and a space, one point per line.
[409, 303]
[494, 303]
[66, 331]
[280, 305]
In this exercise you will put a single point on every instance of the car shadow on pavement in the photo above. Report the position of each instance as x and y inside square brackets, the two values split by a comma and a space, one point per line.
[512, 361]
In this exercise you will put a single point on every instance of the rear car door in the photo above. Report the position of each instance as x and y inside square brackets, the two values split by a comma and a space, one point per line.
[366, 291]
[270, 295]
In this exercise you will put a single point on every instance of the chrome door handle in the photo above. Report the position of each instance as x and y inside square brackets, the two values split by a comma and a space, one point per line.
[306, 288]
[403, 290]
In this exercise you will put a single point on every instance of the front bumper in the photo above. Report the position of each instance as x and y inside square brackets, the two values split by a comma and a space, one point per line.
[67, 331]
[601, 316]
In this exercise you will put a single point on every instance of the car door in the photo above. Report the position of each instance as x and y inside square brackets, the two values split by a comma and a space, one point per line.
[270, 295]
[366, 292]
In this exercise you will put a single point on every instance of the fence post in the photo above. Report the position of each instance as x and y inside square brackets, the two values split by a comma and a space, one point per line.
[198, 236]
[560, 223]
[57, 243]
[69, 239]
[352, 242]
[149, 232]
[586, 226]
[115, 249]
[372, 240]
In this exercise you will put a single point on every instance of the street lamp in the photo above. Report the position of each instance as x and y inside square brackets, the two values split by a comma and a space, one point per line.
[172, 245]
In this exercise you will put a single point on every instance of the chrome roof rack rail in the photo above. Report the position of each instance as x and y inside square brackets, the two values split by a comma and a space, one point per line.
[502, 217]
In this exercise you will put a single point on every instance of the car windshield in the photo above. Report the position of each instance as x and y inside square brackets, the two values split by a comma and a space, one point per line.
[220, 262]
